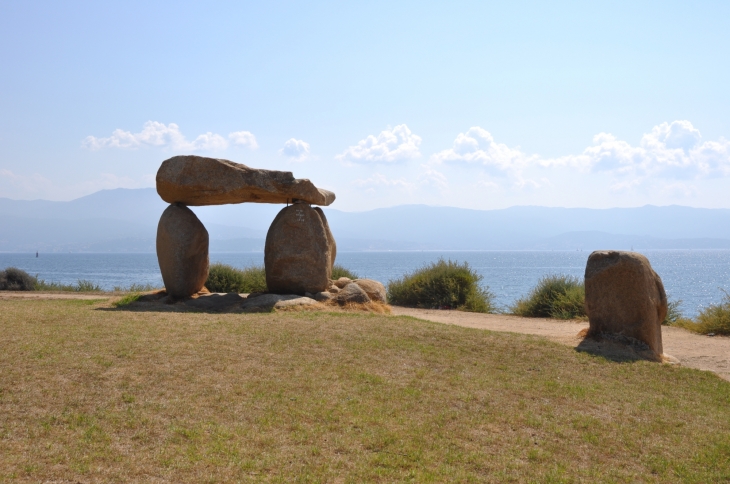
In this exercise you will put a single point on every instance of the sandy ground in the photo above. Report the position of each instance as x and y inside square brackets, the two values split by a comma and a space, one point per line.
[709, 353]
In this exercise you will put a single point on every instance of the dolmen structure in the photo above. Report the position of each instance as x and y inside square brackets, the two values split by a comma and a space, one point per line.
[625, 300]
[300, 249]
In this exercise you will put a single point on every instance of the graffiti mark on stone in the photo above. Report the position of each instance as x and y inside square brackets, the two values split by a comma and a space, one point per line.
[300, 215]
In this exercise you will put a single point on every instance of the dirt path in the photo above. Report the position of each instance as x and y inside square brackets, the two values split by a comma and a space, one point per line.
[50, 295]
[692, 350]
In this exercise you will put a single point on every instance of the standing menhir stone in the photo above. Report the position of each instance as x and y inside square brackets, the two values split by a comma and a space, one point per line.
[299, 251]
[625, 296]
[182, 251]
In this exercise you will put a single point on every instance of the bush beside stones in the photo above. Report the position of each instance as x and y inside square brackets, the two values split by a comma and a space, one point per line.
[714, 319]
[226, 278]
[13, 279]
[339, 271]
[555, 296]
[442, 284]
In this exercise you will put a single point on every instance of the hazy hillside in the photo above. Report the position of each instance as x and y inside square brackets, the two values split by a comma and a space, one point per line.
[125, 220]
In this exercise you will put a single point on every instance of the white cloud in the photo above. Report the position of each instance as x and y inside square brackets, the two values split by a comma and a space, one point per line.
[390, 146]
[669, 150]
[425, 182]
[295, 149]
[478, 146]
[381, 181]
[488, 184]
[206, 142]
[156, 134]
[678, 135]
[429, 176]
[244, 138]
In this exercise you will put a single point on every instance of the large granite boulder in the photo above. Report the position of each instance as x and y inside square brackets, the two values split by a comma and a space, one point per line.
[182, 251]
[196, 180]
[297, 255]
[624, 296]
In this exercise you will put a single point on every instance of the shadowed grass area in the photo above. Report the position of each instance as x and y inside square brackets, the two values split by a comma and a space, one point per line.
[442, 284]
[94, 394]
[127, 299]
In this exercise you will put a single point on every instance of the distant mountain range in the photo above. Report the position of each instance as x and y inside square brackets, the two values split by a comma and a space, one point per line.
[125, 220]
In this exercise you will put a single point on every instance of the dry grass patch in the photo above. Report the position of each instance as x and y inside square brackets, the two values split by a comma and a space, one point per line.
[90, 393]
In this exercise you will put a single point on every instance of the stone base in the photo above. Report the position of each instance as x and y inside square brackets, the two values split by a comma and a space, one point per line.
[618, 347]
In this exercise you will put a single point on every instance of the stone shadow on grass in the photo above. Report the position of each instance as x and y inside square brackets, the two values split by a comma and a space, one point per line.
[214, 303]
[618, 348]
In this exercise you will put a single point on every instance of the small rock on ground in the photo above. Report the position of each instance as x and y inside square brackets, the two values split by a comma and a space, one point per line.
[267, 302]
[323, 296]
[342, 282]
[352, 293]
[374, 289]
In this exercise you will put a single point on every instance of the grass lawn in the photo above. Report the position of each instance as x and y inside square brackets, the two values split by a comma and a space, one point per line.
[90, 393]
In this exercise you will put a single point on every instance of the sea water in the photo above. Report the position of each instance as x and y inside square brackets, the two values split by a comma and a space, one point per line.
[697, 277]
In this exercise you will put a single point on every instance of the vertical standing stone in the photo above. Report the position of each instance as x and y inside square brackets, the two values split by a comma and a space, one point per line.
[299, 251]
[625, 296]
[182, 251]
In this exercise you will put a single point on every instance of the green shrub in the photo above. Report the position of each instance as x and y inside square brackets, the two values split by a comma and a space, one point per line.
[442, 284]
[713, 319]
[673, 313]
[225, 278]
[555, 296]
[339, 271]
[570, 304]
[42, 285]
[87, 286]
[82, 285]
[135, 288]
[14, 279]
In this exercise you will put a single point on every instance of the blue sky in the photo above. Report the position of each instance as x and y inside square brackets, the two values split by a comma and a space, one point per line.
[471, 104]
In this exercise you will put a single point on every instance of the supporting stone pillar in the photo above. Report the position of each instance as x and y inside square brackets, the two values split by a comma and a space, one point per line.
[182, 251]
[300, 251]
